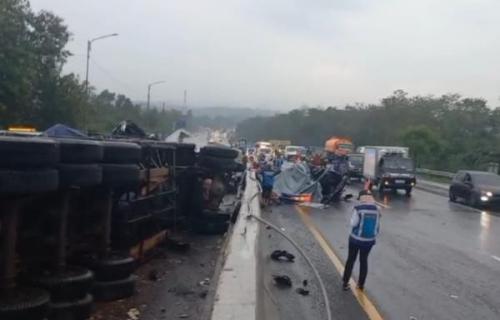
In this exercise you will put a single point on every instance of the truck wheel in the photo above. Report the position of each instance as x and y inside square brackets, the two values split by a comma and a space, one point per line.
[219, 152]
[209, 227]
[117, 175]
[114, 290]
[28, 181]
[80, 151]
[21, 152]
[121, 152]
[24, 303]
[114, 267]
[71, 310]
[70, 284]
[79, 175]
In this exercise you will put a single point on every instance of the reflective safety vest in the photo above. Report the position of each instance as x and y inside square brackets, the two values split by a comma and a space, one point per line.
[369, 223]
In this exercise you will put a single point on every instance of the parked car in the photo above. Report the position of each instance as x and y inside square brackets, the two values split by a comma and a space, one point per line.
[476, 188]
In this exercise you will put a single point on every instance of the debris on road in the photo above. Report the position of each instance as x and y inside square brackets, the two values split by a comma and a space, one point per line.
[205, 282]
[282, 281]
[282, 255]
[302, 291]
[133, 314]
[304, 283]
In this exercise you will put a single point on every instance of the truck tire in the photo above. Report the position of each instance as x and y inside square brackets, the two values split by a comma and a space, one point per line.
[79, 309]
[80, 150]
[121, 152]
[24, 303]
[114, 290]
[215, 163]
[117, 175]
[219, 152]
[185, 155]
[22, 152]
[28, 181]
[114, 267]
[71, 284]
[79, 175]
[209, 227]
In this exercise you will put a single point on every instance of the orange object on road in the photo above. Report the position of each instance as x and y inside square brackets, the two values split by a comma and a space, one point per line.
[339, 145]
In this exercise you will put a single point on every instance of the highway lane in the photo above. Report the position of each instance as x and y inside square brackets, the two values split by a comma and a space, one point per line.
[433, 259]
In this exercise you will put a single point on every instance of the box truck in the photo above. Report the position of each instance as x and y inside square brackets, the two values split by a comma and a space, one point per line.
[389, 167]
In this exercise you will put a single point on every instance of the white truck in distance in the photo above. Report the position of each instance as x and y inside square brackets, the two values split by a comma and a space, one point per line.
[389, 167]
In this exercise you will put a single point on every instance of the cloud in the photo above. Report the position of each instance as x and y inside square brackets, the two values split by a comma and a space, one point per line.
[284, 53]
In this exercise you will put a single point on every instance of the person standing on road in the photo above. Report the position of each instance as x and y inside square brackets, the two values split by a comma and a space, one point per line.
[365, 226]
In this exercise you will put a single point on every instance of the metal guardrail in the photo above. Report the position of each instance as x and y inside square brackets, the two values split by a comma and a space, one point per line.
[436, 173]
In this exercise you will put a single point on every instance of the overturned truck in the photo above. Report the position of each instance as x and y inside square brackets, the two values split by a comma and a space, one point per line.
[77, 215]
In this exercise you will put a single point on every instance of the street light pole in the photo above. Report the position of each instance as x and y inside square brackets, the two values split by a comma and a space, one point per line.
[149, 91]
[89, 48]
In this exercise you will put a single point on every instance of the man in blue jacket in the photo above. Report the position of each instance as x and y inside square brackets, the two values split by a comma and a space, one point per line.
[365, 226]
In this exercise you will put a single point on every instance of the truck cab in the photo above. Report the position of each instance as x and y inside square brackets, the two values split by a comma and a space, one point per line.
[389, 168]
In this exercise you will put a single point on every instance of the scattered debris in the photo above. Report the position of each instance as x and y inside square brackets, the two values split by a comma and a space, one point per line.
[183, 316]
[302, 291]
[282, 281]
[133, 314]
[304, 283]
[282, 255]
[205, 282]
[413, 318]
[453, 296]
[203, 294]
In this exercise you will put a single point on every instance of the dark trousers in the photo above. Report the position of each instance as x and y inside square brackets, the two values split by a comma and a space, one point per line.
[363, 250]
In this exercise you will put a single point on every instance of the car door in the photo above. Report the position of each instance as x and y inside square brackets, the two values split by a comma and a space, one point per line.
[467, 186]
[457, 185]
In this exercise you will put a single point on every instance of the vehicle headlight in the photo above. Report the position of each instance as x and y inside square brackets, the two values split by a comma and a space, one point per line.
[489, 194]
[484, 198]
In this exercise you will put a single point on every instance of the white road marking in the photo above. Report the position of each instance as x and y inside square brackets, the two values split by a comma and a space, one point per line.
[496, 258]
[382, 205]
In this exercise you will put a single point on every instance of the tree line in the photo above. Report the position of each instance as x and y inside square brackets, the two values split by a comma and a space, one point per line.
[448, 132]
[34, 91]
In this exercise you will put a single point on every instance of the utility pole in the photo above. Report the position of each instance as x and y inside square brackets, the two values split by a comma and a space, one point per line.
[89, 48]
[149, 91]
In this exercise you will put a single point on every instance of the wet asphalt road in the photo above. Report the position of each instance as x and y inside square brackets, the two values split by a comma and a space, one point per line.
[433, 259]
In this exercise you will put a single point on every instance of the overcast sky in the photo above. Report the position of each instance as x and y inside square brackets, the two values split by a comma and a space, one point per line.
[281, 54]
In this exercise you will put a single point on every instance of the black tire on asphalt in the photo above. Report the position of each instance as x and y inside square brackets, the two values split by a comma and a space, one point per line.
[114, 290]
[80, 150]
[71, 284]
[118, 175]
[24, 303]
[219, 152]
[121, 152]
[79, 175]
[22, 152]
[219, 164]
[114, 267]
[472, 201]
[78, 309]
[28, 181]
